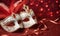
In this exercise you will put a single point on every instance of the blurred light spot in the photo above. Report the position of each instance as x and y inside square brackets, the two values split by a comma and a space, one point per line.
[44, 19]
[41, 9]
[20, 0]
[51, 15]
[51, 12]
[4, 35]
[56, 1]
[48, 9]
[37, 5]
[36, 33]
[57, 12]
[59, 5]
[36, 29]
[31, 3]
[41, 1]
[46, 6]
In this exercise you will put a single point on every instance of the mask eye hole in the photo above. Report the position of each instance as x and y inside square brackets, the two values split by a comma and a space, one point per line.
[10, 24]
[19, 21]
[26, 19]
[14, 16]
[33, 17]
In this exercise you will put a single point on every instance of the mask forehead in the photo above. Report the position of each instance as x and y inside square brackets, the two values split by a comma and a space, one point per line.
[23, 15]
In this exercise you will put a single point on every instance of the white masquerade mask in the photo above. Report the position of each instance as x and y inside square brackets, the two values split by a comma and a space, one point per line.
[25, 19]
[28, 20]
[8, 20]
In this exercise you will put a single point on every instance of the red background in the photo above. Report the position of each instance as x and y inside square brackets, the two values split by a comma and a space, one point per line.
[49, 9]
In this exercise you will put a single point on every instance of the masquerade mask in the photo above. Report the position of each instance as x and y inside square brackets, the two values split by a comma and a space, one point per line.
[25, 19]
